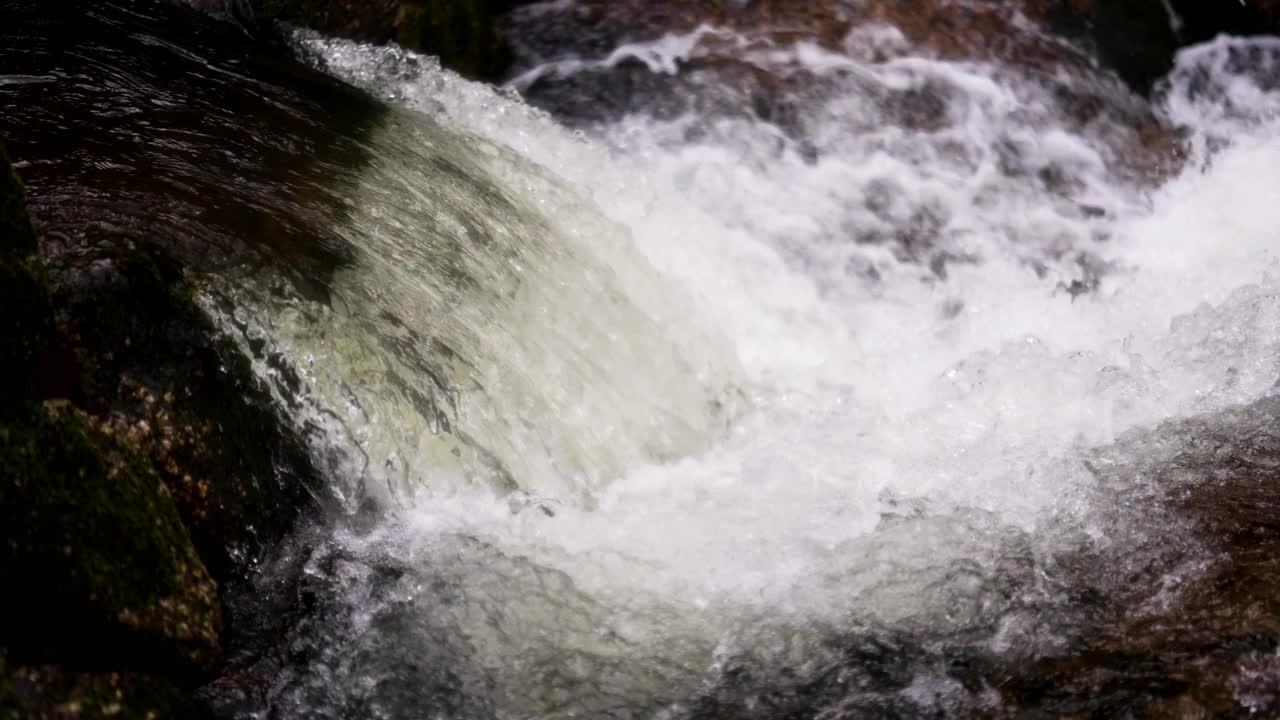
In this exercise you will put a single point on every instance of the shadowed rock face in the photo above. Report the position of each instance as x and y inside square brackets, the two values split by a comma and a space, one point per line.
[1135, 40]
[141, 459]
[102, 574]
[462, 33]
[177, 129]
[1081, 48]
[1200, 20]
[160, 147]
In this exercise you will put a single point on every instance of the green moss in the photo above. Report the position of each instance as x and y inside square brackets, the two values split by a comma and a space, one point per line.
[100, 548]
[109, 610]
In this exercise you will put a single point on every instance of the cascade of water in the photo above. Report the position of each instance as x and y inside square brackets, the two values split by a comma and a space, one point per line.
[935, 324]
[492, 330]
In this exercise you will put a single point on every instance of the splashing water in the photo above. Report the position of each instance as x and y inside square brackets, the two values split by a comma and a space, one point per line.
[933, 326]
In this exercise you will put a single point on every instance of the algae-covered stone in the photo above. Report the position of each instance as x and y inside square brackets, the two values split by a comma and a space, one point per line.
[108, 572]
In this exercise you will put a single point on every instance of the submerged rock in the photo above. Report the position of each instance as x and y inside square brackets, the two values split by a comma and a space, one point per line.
[1170, 612]
[1136, 40]
[591, 61]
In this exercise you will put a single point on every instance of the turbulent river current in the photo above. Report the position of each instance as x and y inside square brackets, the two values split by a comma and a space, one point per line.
[893, 407]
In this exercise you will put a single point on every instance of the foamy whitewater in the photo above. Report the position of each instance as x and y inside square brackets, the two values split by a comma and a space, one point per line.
[878, 356]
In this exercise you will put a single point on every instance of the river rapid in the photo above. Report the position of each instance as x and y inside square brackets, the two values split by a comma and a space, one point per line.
[903, 392]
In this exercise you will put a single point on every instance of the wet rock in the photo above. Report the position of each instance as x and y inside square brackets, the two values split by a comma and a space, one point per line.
[142, 460]
[109, 574]
[17, 236]
[1201, 20]
[51, 693]
[106, 583]
[1171, 613]
[592, 61]
[179, 133]
[1199, 629]
[462, 33]
[1135, 40]
[158, 374]
[159, 174]
[837, 82]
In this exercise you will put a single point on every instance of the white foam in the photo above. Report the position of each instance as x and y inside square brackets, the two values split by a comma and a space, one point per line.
[876, 384]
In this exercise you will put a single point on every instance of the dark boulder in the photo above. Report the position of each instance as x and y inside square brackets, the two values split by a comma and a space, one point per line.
[101, 573]
[462, 33]
[200, 155]
[108, 573]
[146, 470]
[1201, 20]
[1081, 58]
[1136, 40]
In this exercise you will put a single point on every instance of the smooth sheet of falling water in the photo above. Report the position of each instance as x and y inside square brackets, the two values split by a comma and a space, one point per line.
[493, 332]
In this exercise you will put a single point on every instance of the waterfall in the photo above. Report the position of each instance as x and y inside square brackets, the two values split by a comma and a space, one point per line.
[821, 378]
[492, 330]
[935, 329]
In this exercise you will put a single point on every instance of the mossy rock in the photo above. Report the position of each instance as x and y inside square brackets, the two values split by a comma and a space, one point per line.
[170, 385]
[109, 576]
[51, 693]
[462, 33]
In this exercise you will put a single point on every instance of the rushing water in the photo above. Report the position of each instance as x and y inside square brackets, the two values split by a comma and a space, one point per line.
[938, 328]
[707, 414]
